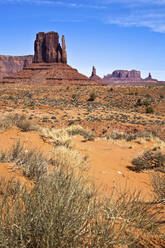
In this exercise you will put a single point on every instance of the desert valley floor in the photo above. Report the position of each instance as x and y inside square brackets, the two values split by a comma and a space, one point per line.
[107, 126]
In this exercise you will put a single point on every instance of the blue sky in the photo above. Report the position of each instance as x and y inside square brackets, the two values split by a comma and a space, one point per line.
[110, 34]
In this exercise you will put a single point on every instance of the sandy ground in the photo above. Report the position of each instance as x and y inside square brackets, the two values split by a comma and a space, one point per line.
[107, 160]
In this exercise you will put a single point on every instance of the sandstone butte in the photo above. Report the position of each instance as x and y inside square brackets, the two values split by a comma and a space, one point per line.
[49, 66]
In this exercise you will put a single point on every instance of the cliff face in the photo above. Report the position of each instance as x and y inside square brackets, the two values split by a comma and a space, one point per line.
[123, 75]
[47, 48]
[13, 64]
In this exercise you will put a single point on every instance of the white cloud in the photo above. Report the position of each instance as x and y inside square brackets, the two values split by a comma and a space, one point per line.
[74, 4]
[150, 19]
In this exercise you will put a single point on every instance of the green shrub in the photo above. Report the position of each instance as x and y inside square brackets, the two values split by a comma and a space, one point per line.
[92, 97]
[149, 110]
[139, 102]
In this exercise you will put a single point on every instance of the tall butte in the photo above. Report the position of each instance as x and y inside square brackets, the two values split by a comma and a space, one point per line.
[49, 65]
[47, 48]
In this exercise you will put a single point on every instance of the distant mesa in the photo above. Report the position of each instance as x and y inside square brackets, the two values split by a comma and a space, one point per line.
[129, 78]
[123, 75]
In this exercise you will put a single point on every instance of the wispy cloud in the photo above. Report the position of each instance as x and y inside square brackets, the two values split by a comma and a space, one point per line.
[140, 13]
[137, 13]
[64, 3]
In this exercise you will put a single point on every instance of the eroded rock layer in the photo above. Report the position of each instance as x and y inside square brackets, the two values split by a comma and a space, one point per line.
[49, 74]
[13, 64]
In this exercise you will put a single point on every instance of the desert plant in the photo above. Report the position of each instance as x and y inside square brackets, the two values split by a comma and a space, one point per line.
[61, 210]
[149, 160]
[78, 130]
[59, 137]
[158, 182]
[92, 97]
[132, 136]
[9, 120]
[25, 125]
[139, 102]
[149, 110]
[66, 157]
[34, 164]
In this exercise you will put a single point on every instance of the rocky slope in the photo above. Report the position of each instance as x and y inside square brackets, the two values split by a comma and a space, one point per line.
[13, 64]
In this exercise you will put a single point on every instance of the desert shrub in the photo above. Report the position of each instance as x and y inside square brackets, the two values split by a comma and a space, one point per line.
[61, 210]
[20, 121]
[66, 157]
[92, 97]
[25, 125]
[78, 130]
[149, 110]
[59, 137]
[10, 120]
[139, 102]
[149, 160]
[34, 164]
[158, 182]
[62, 137]
[129, 136]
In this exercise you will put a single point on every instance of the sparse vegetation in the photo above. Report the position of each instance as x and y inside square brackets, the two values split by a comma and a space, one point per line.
[34, 164]
[149, 110]
[61, 210]
[25, 125]
[129, 136]
[66, 157]
[159, 187]
[92, 97]
[149, 160]
[78, 130]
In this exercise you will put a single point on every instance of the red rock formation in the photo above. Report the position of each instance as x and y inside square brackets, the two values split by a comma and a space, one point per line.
[94, 76]
[149, 78]
[123, 74]
[49, 65]
[48, 49]
[13, 64]
[64, 54]
[49, 74]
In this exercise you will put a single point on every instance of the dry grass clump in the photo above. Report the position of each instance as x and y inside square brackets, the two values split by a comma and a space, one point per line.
[25, 125]
[66, 157]
[129, 137]
[62, 137]
[158, 183]
[10, 120]
[78, 130]
[149, 160]
[61, 210]
[34, 164]
[57, 136]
